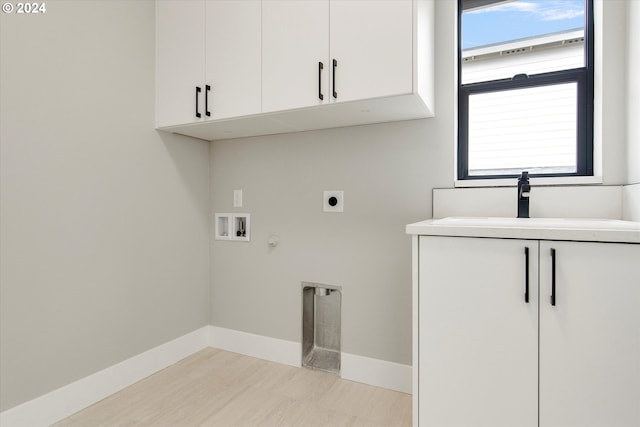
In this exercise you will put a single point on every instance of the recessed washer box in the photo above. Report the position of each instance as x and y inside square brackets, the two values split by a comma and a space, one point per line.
[233, 226]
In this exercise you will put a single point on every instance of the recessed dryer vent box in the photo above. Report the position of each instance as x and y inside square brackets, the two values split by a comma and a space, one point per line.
[321, 327]
[233, 226]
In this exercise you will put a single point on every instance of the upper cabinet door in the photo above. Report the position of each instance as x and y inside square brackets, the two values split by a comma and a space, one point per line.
[180, 35]
[295, 39]
[233, 57]
[226, 62]
[372, 44]
[590, 338]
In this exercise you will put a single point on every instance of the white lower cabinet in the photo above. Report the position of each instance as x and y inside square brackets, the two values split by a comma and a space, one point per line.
[478, 337]
[492, 349]
[590, 339]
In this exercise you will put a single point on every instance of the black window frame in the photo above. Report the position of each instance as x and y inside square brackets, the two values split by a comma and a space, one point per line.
[583, 77]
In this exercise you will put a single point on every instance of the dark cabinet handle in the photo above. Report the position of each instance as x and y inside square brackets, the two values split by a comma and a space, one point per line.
[320, 67]
[526, 275]
[553, 276]
[335, 64]
[206, 101]
[198, 90]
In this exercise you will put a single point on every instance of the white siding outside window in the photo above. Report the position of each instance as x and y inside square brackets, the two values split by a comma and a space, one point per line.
[555, 52]
[531, 129]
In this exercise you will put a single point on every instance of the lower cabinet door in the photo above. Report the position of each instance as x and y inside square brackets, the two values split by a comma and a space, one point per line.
[590, 338]
[478, 334]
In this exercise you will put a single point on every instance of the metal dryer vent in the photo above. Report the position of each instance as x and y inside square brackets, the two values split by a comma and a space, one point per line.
[321, 326]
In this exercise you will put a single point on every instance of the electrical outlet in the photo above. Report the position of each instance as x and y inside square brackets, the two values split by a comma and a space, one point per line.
[333, 201]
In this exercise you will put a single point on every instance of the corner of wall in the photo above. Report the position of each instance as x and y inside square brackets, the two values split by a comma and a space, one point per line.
[631, 202]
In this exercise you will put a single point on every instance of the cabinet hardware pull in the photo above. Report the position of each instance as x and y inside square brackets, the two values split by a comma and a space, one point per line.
[206, 101]
[320, 67]
[553, 276]
[335, 64]
[526, 275]
[198, 90]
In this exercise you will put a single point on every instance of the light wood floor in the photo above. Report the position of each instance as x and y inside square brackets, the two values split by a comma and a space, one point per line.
[218, 388]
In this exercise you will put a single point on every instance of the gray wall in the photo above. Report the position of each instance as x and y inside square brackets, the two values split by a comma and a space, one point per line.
[104, 221]
[383, 170]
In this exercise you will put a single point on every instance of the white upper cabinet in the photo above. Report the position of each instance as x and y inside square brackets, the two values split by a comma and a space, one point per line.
[371, 43]
[208, 60]
[275, 66]
[325, 51]
[180, 64]
[233, 57]
[295, 40]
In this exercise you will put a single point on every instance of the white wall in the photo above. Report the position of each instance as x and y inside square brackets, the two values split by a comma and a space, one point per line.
[633, 93]
[610, 136]
[632, 192]
[104, 221]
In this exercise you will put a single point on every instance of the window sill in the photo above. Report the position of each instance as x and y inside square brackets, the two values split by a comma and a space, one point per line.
[511, 182]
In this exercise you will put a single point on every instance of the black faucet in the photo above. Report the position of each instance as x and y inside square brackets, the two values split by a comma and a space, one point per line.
[524, 188]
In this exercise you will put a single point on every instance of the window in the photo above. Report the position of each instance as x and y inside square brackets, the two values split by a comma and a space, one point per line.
[525, 88]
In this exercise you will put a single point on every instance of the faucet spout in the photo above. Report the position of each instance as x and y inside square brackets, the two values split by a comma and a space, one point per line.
[524, 190]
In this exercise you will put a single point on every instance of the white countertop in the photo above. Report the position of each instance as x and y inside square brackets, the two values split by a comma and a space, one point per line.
[577, 229]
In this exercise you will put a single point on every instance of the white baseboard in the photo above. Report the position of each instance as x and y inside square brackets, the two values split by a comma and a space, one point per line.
[379, 373]
[267, 348]
[361, 369]
[67, 400]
